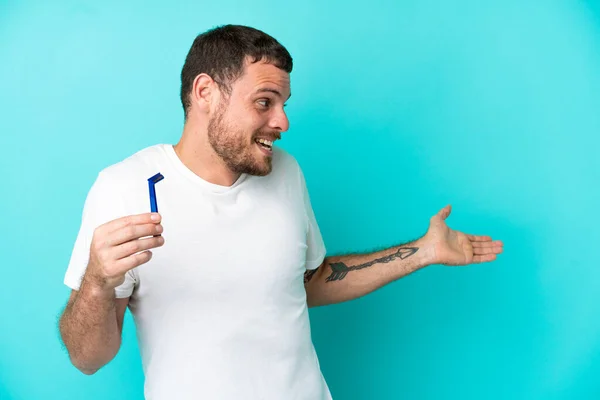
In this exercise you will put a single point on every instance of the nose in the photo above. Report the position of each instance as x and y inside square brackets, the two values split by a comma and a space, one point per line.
[280, 121]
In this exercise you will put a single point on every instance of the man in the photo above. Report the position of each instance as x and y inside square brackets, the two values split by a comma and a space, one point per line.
[221, 304]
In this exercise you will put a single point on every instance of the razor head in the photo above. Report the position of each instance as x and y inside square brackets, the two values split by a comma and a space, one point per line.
[151, 182]
[156, 178]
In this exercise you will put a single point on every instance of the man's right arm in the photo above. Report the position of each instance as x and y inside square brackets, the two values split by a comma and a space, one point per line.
[91, 327]
[92, 321]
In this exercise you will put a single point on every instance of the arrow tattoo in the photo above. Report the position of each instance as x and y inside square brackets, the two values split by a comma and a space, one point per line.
[340, 270]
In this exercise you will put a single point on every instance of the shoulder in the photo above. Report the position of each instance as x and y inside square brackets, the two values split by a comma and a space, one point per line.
[121, 188]
[132, 169]
[284, 161]
[287, 171]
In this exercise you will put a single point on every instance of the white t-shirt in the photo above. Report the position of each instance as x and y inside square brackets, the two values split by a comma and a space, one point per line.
[220, 309]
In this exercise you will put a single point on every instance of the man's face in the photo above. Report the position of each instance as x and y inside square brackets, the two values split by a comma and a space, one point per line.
[253, 112]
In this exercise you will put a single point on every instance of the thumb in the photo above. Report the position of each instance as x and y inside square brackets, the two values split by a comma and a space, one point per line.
[445, 212]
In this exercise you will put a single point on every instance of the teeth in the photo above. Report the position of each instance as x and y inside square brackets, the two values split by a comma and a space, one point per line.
[266, 142]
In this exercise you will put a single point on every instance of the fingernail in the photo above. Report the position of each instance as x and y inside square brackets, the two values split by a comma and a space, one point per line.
[155, 217]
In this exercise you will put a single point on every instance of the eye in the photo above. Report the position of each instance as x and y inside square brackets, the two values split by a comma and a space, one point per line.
[265, 103]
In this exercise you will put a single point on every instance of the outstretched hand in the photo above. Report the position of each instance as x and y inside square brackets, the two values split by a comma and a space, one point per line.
[452, 247]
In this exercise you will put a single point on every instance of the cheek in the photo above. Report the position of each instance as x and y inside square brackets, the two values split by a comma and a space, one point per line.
[251, 122]
[246, 120]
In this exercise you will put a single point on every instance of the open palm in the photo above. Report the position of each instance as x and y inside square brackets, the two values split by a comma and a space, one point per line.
[456, 248]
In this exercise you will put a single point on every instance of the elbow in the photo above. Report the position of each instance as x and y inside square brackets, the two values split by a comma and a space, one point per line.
[84, 366]
[315, 290]
[314, 298]
[89, 364]
[89, 360]
[315, 303]
[87, 371]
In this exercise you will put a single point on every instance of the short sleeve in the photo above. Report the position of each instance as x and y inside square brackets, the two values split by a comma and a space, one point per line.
[103, 204]
[315, 253]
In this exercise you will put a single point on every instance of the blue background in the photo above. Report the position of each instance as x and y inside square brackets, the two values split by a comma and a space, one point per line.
[398, 109]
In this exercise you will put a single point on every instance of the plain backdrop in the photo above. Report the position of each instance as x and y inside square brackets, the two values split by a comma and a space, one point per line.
[398, 108]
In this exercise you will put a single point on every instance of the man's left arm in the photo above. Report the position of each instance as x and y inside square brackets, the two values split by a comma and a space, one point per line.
[342, 278]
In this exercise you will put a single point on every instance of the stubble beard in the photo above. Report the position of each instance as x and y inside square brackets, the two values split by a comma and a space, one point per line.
[235, 148]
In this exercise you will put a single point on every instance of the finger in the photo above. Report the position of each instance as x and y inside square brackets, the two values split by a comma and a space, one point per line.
[134, 260]
[474, 238]
[495, 243]
[135, 246]
[132, 232]
[484, 258]
[486, 250]
[130, 220]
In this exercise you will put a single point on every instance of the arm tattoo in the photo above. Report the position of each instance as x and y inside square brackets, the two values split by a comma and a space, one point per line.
[309, 274]
[340, 270]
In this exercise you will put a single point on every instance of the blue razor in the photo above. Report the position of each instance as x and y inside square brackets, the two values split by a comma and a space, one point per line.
[151, 182]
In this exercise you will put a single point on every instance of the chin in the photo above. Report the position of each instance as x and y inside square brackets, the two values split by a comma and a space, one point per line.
[264, 171]
[263, 165]
[257, 168]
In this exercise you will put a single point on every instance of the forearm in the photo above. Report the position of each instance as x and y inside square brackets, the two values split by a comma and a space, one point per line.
[89, 328]
[347, 277]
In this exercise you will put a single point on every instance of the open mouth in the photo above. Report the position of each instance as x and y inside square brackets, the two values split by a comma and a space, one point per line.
[265, 144]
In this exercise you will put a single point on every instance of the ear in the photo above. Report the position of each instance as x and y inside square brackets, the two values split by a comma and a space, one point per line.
[205, 93]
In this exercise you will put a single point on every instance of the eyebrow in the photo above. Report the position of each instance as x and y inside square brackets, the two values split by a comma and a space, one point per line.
[272, 91]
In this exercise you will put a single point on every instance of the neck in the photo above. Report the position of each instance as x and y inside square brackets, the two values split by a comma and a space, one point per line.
[196, 153]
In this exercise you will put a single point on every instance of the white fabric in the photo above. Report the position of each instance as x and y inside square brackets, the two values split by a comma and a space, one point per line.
[220, 309]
